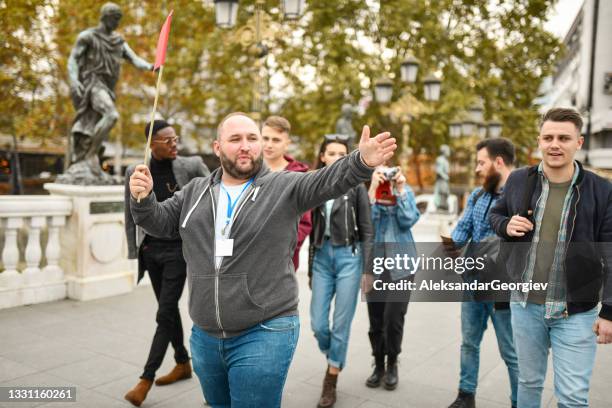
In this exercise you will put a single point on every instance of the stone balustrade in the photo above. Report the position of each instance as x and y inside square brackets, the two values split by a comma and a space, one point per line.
[30, 271]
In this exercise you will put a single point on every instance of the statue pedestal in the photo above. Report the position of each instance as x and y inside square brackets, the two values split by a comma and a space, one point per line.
[93, 244]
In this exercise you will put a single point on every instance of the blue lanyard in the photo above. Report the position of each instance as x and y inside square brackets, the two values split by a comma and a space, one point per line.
[230, 206]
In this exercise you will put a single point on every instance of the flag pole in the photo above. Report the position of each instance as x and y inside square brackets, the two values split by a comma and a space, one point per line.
[147, 154]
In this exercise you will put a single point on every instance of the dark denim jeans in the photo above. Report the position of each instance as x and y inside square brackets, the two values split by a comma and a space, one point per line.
[474, 317]
[167, 271]
[248, 370]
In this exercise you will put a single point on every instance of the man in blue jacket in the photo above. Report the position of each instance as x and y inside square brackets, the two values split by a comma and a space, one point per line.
[494, 162]
[558, 218]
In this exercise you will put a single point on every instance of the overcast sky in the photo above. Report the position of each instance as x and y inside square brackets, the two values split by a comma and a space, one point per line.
[562, 17]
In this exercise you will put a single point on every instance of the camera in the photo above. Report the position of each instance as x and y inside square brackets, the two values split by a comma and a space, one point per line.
[384, 191]
[390, 172]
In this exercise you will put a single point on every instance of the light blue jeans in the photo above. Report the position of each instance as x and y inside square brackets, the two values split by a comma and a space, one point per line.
[335, 271]
[248, 370]
[573, 346]
[474, 317]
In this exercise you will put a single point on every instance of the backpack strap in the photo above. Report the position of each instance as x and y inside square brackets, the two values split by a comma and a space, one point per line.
[478, 195]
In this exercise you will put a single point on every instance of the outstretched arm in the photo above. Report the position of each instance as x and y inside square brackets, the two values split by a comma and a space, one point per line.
[134, 59]
[316, 187]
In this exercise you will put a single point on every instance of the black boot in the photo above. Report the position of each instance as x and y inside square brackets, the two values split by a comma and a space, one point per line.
[375, 379]
[391, 377]
[464, 400]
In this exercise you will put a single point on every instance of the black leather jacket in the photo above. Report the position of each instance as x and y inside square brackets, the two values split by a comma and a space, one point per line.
[350, 223]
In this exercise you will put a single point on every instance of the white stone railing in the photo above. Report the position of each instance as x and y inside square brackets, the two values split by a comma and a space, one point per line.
[30, 271]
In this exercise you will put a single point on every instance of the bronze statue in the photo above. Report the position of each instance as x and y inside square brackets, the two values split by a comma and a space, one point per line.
[93, 71]
[344, 125]
[442, 185]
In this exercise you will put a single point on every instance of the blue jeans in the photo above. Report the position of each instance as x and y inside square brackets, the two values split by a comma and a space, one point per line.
[573, 346]
[474, 317]
[248, 370]
[335, 271]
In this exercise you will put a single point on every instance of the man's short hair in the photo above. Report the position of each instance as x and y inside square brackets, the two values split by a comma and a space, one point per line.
[158, 124]
[498, 147]
[278, 123]
[563, 115]
[231, 115]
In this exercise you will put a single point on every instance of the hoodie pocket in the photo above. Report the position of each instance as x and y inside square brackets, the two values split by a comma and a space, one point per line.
[202, 302]
[237, 308]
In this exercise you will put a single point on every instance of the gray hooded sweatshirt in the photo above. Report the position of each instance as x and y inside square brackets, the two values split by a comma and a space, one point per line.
[257, 282]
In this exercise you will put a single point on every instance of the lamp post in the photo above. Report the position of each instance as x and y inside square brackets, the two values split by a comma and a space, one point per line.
[468, 128]
[293, 9]
[482, 130]
[476, 111]
[226, 12]
[495, 128]
[454, 129]
[432, 87]
[252, 35]
[409, 69]
[383, 90]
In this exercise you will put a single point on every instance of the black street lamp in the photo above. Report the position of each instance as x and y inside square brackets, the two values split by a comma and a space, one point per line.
[432, 87]
[454, 129]
[226, 12]
[293, 9]
[482, 130]
[383, 90]
[468, 128]
[409, 69]
[476, 112]
[495, 128]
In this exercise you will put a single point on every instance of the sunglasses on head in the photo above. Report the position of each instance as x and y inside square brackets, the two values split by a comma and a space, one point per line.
[337, 136]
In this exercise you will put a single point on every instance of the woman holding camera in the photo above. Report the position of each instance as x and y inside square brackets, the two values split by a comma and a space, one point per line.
[340, 242]
[394, 212]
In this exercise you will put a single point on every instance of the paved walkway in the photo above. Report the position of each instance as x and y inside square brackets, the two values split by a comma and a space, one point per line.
[100, 347]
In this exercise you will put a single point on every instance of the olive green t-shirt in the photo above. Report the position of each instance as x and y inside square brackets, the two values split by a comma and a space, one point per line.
[549, 235]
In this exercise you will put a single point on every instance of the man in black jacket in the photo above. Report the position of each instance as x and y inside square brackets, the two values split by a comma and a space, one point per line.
[162, 258]
[557, 219]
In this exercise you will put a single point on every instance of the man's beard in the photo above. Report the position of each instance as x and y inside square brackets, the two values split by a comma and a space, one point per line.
[491, 181]
[232, 169]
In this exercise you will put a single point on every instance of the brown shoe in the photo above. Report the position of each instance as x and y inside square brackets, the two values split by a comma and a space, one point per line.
[181, 371]
[138, 394]
[328, 395]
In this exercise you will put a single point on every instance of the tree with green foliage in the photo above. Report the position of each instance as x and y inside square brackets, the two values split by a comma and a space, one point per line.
[494, 50]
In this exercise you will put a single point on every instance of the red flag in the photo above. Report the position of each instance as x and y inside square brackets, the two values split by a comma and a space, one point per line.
[162, 42]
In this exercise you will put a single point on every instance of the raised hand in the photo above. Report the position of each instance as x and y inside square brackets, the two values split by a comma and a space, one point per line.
[376, 150]
[141, 182]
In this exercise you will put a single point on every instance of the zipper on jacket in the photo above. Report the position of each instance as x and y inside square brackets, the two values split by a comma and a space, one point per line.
[354, 219]
[217, 268]
[217, 309]
[575, 213]
[346, 219]
[569, 237]
[194, 206]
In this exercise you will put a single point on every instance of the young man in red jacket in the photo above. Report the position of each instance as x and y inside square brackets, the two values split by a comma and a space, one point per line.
[275, 133]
